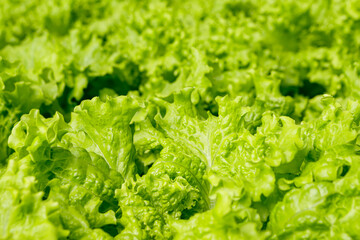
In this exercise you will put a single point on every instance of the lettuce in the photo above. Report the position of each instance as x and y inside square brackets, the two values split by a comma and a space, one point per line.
[192, 119]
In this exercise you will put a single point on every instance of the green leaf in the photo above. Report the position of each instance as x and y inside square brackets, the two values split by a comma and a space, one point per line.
[77, 175]
[24, 213]
[103, 128]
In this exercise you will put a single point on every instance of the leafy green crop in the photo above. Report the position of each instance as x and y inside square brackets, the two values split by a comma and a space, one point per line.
[169, 119]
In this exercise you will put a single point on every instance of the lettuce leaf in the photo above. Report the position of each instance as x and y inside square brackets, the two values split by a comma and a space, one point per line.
[80, 175]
